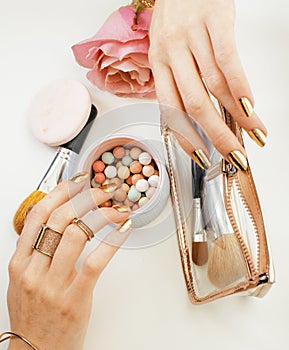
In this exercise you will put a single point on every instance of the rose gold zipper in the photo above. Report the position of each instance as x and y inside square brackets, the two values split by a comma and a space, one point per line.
[228, 185]
[247, 192]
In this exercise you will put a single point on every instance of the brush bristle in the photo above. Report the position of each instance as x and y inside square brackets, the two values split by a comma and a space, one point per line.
[20, 215]
[226, 264]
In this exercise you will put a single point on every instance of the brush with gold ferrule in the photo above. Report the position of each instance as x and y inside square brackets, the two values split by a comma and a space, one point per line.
[59, 170]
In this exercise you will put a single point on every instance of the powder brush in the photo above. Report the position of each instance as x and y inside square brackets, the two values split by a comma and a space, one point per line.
[59, 170]
[226, 263]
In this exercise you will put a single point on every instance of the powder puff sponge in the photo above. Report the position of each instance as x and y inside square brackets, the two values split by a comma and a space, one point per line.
[59, 111]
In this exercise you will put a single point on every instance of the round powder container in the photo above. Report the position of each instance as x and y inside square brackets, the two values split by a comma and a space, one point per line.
[145, 210]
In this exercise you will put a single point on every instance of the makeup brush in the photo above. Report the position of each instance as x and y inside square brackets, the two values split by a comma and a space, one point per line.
[199, 237]
[58, 170]
[225, 264]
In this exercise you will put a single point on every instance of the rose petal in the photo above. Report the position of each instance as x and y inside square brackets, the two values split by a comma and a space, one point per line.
[97, 78]
[141, 59]
[125, 65]
[122, 87]
[106, 62]
[121, 50]
[143, 20]
[115, 29]
[142, 75]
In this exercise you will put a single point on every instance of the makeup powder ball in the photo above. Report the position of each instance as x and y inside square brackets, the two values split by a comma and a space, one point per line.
[59, 111]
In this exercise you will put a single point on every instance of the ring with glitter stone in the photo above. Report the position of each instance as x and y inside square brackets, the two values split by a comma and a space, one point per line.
[47, 240]
[84, 228]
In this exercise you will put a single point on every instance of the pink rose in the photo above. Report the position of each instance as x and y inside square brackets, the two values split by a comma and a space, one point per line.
[117, 55]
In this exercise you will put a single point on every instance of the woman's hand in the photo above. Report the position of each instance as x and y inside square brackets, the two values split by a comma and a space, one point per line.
[194, 38]
[49, 301]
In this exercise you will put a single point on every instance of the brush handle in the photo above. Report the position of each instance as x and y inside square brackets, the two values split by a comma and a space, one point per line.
[198, 175]
[199, 236]
[215, 212]
[76, 143]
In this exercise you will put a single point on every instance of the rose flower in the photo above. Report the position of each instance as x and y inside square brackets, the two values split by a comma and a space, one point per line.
[117, 55]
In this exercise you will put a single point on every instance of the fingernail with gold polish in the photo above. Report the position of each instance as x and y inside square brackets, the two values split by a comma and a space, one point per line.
[124, 226]
[121, 209]
[201, 159]
[258, 136]
[246, 105]
[238, 160]
[108, 188]
[79, 177]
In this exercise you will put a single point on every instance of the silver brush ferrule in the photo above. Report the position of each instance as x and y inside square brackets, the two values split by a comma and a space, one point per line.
[59, 169]
[199, 234]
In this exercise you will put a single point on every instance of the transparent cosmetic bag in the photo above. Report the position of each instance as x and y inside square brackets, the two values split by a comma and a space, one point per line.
[222, 241]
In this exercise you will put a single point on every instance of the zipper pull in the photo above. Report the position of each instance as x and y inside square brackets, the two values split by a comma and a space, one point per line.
[222, 167]
[229, 168]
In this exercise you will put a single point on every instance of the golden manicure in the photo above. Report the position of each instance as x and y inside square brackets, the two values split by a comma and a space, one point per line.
[79, 177]
[246, 106]
[108, 188]
[201, 159]
[258, 136]
[124, 226]
[121, 208]
[238, 160]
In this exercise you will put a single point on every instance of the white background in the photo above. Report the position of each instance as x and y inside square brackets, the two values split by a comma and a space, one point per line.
[140, 301]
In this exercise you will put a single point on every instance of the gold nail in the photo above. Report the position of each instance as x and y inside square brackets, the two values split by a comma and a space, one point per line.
[258, 136]
[108, 188]
[201, 159]
[238, 160]
[124, 226]
[246, 105]
[79, 177]
[121, 208]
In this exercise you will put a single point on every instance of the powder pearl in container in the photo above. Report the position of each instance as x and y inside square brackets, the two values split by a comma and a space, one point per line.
[148, 207]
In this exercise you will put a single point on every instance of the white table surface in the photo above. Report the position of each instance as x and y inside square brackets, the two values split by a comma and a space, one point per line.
[140, 301]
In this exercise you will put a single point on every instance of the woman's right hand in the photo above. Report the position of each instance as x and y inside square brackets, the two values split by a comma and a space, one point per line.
[192, 49]
[50, 301]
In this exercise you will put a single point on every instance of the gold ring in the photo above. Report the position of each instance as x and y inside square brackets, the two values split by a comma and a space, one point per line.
[84, 228]
[47, 240]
